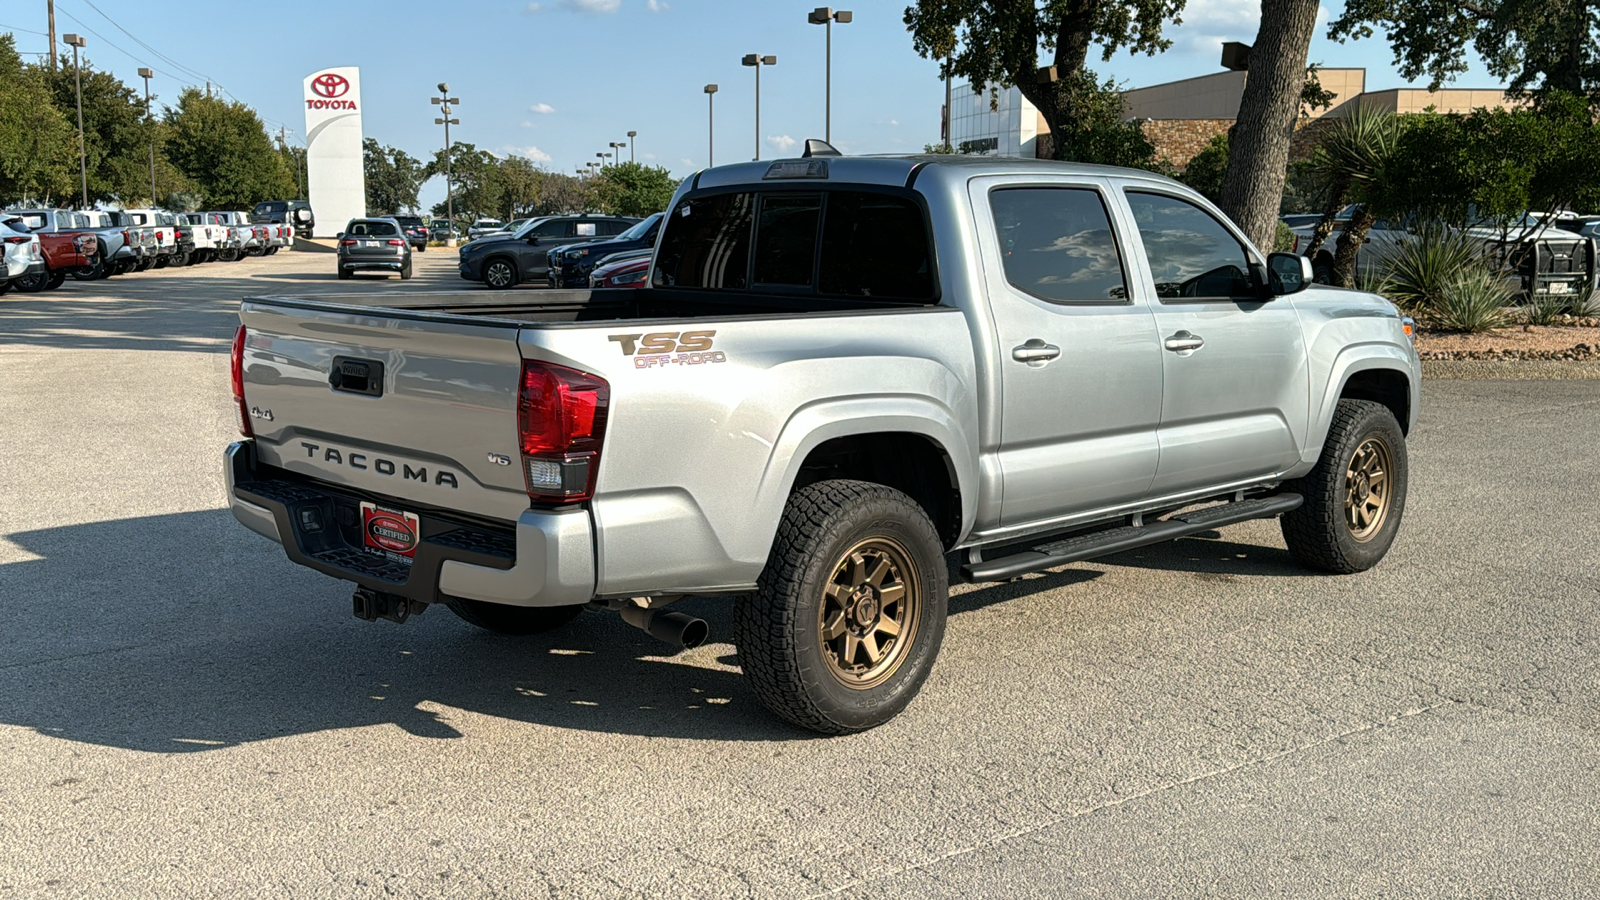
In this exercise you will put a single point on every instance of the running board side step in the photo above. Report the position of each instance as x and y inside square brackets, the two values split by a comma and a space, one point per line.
[1115, 540]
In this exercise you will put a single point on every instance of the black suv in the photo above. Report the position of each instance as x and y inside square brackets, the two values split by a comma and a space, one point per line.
[570, 265]
[278, 212]
[415, 231]
[509, 261]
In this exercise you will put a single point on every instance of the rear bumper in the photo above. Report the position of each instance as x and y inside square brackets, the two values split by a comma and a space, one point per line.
[546, 559]
[356, 265]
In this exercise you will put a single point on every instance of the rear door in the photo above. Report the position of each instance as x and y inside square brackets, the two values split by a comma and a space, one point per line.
[1079, 361]
[1236, 393]
[372, 240]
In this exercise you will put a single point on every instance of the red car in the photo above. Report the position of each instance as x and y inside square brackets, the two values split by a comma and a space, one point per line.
[626, 273]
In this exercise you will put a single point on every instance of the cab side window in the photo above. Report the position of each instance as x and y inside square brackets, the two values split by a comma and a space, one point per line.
[1192, 256]
[1057, 244]
[554, 229]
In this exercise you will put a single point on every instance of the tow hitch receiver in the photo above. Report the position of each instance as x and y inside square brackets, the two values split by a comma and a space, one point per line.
[370, 606]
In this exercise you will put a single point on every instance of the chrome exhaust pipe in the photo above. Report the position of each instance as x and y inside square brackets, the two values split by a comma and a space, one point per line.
[664, 625]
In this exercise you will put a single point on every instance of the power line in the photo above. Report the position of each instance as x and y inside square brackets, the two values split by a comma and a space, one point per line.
[194, 73]
[23, 30]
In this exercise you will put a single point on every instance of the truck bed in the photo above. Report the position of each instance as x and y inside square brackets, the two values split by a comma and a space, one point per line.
[556, 307]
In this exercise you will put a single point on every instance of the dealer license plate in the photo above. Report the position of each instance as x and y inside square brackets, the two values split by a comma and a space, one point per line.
[390, 533]
[1559, 287]
[369, 243]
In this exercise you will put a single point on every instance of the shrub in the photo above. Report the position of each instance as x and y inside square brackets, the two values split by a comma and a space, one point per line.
[1283, 239]
[1473, 301]
[1423, 267]
[1545, 309]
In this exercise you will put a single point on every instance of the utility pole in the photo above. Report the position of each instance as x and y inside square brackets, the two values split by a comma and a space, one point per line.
[756, 61]
[283, 144]
[826, 16]
[51, 6]
[443, 101]
[76, 40]
[145, 74]
[711, 125]
[949, 114]
[631, 136]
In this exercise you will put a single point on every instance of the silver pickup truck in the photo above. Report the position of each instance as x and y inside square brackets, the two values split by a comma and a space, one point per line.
[848, 379]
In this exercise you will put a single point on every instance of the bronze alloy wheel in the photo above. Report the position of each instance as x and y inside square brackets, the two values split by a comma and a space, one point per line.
[1367, 489]
[870, 610]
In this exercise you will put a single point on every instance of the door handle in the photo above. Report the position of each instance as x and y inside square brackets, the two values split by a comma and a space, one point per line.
[1035, 352]
[1183, 342]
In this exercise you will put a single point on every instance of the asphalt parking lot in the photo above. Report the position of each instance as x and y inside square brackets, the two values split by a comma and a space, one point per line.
[183, 713]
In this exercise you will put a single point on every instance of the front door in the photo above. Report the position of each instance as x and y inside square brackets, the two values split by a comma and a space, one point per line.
[1236, 393]
[1079, 363]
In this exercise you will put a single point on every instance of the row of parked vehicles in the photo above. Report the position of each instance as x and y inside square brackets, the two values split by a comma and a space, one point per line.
[47, 245]
[563, 251]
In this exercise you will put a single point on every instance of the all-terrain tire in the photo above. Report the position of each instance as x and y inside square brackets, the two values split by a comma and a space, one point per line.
[1320, 534]
[514, 620]
[794, 669]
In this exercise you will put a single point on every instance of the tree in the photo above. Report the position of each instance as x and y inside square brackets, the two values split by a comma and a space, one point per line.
[997, 42]
[1272, 98]
[1206, 170]
[393, 178]
[1351, 161]
[1097, 131]
[117, 136]
[38, 146]
[1538, 46]
[475, 178]
[224, 151]
[634, 189]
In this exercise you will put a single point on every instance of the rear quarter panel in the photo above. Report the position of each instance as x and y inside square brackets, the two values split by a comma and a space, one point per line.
[699, 457]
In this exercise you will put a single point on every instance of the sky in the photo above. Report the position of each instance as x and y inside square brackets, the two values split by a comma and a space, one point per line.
[558, 80]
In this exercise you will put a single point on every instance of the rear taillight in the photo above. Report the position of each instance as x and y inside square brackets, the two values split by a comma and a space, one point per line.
[1296, 247]
[18, 239]
[561, 420]
[347, 242]
[238, 383]
[393, 242]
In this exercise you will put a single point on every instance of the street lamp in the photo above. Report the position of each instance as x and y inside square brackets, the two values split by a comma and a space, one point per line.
[443, 101]
[146, 74]
[615, 145]
[631, 142]
[757, 61]
[711, 125]
[76, 40]
[602, 157]
[826, 16]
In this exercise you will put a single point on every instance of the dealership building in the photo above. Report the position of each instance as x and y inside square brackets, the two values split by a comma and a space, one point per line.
[1181, 117]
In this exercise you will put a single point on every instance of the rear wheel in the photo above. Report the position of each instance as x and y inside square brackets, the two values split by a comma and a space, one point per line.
[95, 272]
[513, 620]
[1355, 496]
[499, 274]
[55, 281]
[849, 613]
[405, 272]
[180, 258]
[144, 263]
[31, 283]
[270, 251]
[344, 273]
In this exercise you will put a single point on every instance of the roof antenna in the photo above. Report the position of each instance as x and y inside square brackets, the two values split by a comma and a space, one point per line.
[815, 147]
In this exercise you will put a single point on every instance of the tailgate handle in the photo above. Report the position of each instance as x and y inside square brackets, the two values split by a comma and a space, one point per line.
[357, 376]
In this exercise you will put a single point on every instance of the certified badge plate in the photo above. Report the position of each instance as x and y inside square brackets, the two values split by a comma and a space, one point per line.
[390, 533]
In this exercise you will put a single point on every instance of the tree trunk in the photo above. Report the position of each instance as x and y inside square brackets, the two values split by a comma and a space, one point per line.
[1330, 211]
[1350, 241]
[1258, 154]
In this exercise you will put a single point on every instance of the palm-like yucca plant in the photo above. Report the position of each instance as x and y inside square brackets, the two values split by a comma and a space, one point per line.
[1422, 267]
[1475, 301]
[1352, 155]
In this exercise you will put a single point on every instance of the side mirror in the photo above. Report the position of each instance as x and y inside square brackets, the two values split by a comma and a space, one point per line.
[533, 239]
[339, 235]
[1289, 273]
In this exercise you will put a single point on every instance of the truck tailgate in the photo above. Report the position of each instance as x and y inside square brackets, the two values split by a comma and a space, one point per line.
[420, 409]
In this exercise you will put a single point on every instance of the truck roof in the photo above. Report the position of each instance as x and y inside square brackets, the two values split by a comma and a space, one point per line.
[896, 171]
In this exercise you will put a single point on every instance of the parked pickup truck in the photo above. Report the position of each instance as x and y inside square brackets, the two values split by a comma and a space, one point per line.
[209, 237]
[245, 238]
[121, 244]
[842, 370]
[66, 242]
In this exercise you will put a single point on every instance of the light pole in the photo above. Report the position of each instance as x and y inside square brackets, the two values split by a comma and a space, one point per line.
[826, 16]
[76, 40]
[443, 101]
[631, 142]
[145, 74]
[602, 157]
[756, 61]
[616, 148]
[711, 125]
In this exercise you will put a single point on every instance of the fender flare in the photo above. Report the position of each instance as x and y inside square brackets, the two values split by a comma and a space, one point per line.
[1356, 358]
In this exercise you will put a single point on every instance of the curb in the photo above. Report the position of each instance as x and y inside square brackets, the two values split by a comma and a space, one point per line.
[1511, 370]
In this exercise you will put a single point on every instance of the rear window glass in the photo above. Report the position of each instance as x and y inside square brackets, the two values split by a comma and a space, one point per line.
[375, 229]
[34, 222]
[1057, 244]
[870, 245]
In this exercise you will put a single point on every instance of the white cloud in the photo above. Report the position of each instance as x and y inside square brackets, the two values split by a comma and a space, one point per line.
[592, 6]
[657, 6]
[781, 141]
[687, 162]
[527, 124]
[1207, 23]
[531, 152]
[650, 156]
[543, 109]
[532, 8]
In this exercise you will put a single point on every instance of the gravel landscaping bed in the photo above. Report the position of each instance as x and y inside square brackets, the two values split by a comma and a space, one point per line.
[1579, 341]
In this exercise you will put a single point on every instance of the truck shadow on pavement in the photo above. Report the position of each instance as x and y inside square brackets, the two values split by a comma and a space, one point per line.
[184, 632]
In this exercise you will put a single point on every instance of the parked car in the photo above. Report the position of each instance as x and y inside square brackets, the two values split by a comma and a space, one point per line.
[247, 238]
[623, 270]
[442, 229]
[415, 231]
[294, 213]
[524, 255]
[209, 237]
[374, 245]
[570, 265]
[482, 227]
[20, 249]
[65, 242]
[1542, 259]
[169, 250]
[1024, 363]
[1295, 220]
[121, 243]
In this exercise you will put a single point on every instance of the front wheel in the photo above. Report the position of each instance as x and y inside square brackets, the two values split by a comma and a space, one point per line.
[513, 620]
[849, 613]
[499, 274]
[1355, 496]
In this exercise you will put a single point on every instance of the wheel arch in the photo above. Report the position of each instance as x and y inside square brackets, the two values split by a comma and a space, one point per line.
[1382, 373]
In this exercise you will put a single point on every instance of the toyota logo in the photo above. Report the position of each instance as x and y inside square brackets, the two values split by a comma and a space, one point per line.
[330, 85]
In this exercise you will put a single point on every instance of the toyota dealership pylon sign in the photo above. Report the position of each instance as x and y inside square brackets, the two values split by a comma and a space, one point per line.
[338, 187]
